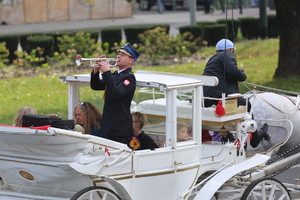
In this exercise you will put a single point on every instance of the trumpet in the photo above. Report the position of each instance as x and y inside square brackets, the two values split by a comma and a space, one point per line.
[93, 61]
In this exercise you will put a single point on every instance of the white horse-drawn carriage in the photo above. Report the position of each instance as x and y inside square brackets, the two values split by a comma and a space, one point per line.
[63, 164]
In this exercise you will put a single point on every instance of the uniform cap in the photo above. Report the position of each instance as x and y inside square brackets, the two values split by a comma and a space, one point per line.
[224, 44]
[130, 51]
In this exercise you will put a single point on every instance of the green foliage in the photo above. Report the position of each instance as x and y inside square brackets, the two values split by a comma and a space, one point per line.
[55, 36]
[111, 36]
[106, 49]
[4, 53]
[132, 33]
[195, 30]
[250, 27]
[272, 27]
[205, 23]
[49, 95]
[232, 27]
[11, 42]
[213, 33]
[62, 60]
[46, 43]
[25, 60]
[165, 26]
[81, 41]
[94, 34]
[157, 44]
[23, 40]
[45, 93]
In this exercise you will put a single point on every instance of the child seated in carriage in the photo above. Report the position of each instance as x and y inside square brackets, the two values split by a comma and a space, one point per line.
[182, 132]
[26, 110]
[140, 140]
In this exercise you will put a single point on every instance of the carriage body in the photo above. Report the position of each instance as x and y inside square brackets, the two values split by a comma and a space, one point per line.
[57, 163]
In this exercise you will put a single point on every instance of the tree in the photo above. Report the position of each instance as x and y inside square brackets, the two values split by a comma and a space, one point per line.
[288, 21]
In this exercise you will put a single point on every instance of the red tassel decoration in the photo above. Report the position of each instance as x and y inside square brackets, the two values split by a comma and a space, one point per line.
[219, 109]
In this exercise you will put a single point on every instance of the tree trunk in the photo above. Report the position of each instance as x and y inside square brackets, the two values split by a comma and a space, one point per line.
[288, 21]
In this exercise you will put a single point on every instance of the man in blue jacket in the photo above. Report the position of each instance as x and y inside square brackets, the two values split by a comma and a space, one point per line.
[119, 86]
[223, 65]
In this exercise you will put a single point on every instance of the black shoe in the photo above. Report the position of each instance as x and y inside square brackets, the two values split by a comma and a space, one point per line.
[257, 136]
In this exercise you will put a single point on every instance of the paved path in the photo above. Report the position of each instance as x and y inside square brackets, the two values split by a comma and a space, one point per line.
[174, 18]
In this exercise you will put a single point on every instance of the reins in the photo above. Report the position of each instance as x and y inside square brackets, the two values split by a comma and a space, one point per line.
[296, 103]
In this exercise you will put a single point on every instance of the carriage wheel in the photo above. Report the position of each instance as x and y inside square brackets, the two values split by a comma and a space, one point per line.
[266, 189]
[96, 193]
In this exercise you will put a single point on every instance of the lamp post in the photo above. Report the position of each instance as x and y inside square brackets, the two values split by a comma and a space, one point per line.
[192, 9]
[263, 22]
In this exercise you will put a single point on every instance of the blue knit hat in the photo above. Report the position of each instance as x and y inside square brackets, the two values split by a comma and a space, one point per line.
[130, 51]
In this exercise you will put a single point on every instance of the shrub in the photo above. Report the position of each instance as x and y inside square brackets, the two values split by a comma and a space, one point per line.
[11, 42]
[195, 30]
[272, 27]
[132, 33]
[250, 27]
[45, 42]
[213, 33]
[232, 27]
[157, 44]
[94, 34]
[62, 60]
[111, 36]
[81, 42]
[29, 61]
[165, 26]
[206, 23]
[23, 39]
[4, 53]
[55, 36]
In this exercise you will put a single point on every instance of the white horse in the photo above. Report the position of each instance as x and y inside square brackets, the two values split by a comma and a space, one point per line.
[271, 106]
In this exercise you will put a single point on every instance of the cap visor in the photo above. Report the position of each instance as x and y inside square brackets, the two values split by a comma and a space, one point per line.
[124, 51]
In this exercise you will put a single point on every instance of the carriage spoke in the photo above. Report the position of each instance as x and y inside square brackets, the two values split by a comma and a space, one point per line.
[96, 193]
[104, 196]
[266, 189]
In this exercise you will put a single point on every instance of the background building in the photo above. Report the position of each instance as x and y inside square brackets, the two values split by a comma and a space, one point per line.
[33, 11]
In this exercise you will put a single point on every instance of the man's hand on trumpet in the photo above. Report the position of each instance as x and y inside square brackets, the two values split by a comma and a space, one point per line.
[103, 65]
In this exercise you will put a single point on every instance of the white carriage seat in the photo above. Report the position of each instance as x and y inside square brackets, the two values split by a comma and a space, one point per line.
[210, 120]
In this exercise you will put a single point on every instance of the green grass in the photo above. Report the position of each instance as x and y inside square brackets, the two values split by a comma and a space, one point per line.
[49, 95]
[45, 93]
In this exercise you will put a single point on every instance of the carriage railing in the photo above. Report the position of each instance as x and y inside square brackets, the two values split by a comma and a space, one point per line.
[285, 93]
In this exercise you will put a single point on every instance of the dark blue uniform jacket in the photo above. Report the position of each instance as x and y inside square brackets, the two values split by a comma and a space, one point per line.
[119, 89]
[224, 67]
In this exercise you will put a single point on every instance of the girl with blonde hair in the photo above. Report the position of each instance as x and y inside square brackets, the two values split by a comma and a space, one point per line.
[27, 110]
